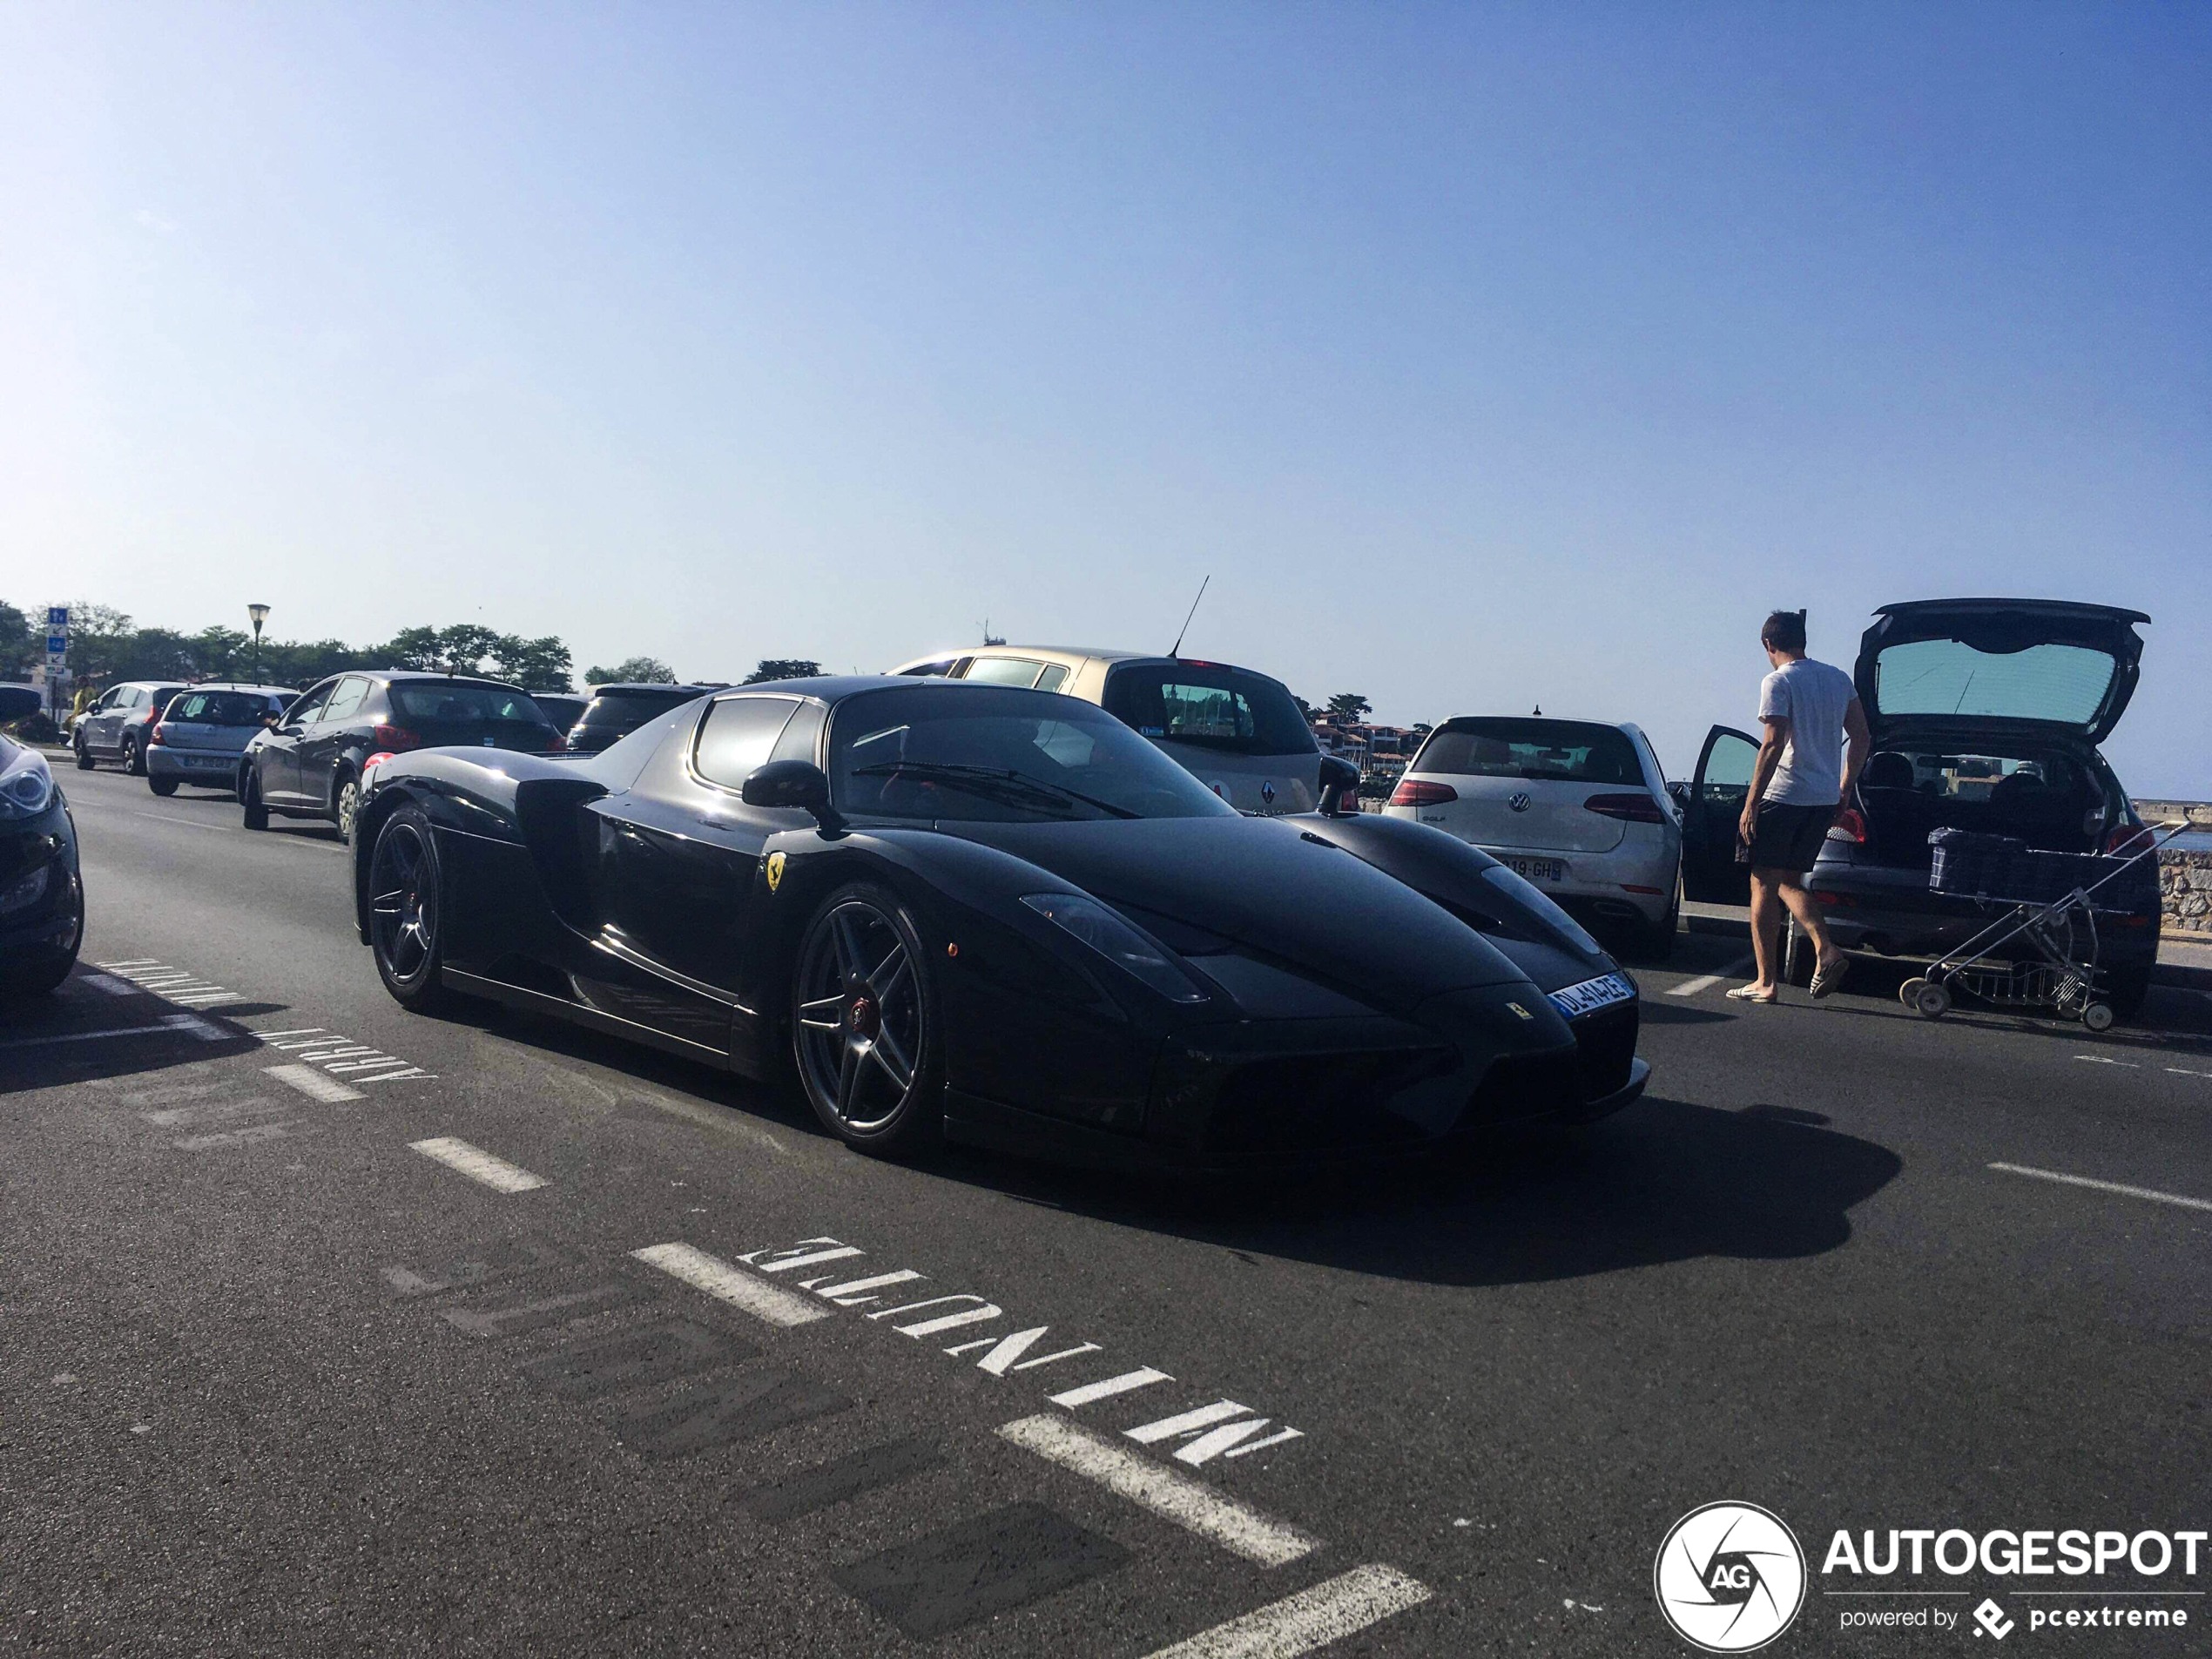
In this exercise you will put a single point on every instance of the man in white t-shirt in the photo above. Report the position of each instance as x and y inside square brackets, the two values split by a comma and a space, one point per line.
[1817, 740]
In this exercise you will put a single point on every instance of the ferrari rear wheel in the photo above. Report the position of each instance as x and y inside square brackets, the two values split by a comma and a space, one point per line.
[406, 913]
[864, 1025]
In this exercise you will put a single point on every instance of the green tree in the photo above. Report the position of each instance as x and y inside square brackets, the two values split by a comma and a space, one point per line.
[783, 668]
[16, 653]
[1351, 705]
[155, 654]
[220, 653]
[534, 664]
[632, 670]
[99, 639]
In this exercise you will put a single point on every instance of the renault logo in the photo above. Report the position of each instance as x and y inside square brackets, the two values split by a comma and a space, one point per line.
[1518, 801]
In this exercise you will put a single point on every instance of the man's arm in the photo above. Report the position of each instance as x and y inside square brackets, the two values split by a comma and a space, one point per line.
[1858, 739]
[1778, 739]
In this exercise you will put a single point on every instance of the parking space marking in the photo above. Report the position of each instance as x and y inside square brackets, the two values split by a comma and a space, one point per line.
[1298, 1624]
[1190, 1504]
[2106, 1060]
[455, 1154]
[189, 1024]
[1706, 981]
[740, 1289]
[2119, 1187]
[107, 984]
[312, 1083]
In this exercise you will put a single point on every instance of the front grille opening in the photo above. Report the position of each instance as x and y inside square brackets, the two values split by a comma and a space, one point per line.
[1316, 1102]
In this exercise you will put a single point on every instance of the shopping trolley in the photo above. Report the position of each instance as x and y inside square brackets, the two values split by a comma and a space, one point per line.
[2043, 947]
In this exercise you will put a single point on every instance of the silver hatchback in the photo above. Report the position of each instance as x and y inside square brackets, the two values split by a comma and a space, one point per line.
[201, 734]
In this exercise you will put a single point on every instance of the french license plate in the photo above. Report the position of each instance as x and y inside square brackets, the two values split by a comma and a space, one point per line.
[204, 761]
[1537, 869]
[1593, 994]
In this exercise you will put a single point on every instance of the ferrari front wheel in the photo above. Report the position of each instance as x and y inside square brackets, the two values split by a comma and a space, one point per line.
[864, 1025]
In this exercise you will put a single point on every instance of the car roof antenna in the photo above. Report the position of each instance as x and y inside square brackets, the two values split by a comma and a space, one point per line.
[1176, 649]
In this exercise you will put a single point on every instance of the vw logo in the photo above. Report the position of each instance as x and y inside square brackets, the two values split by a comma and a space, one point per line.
[1729, 1577]
[1518, 801]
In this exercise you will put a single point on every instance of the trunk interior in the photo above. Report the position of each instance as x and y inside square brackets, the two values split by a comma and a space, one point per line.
[2047, 798]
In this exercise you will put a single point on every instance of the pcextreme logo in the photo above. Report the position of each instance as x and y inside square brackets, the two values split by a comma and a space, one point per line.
[1729, 1577]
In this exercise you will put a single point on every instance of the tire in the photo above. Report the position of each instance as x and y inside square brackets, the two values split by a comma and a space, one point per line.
[1930, 1001]
[406, 913]
[864, 1025]
[1657, 938]
[1799, 959]
[161, 785]
[44, 973]
[345, 804]
[83, 755]
[252, 808]
[2097, 1016]
[2125, 989]
[134, 761]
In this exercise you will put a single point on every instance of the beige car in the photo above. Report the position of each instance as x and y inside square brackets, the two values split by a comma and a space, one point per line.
[1238, 731]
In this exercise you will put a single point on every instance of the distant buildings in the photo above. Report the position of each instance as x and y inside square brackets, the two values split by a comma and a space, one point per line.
[1381, 752]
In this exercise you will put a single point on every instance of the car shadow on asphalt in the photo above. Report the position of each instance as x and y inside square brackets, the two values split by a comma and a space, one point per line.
[1666, 1181]
[80, 1035]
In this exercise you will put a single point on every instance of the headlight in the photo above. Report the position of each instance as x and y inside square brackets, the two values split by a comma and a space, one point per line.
[1537, 900]
[25, 784]
[1114, 938]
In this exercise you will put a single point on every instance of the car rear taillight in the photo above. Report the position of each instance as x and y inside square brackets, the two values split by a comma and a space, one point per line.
[1415, 791]
[393, 738]
[2127, 840]
[1850, 826]
[158, 734]
[1630, 809]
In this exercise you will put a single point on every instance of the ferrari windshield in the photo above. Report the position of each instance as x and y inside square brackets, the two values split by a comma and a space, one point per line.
[1002, 756]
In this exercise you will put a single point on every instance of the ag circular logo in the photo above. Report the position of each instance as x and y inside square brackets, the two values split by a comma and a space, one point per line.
[1729, 1577]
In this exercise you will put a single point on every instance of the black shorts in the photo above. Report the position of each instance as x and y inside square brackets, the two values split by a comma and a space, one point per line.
[1789, 838]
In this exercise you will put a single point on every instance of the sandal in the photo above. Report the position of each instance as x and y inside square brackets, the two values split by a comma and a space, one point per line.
[1752, 994]
[1827, 980]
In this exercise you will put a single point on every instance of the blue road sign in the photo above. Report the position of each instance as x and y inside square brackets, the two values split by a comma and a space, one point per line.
[57, 617]
[57, 645]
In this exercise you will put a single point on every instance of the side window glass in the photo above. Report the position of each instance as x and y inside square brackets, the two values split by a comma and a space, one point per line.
[1055, 676]
[307, 707]
[737, 736]
[346, 698]
[1726, 774]
[802, 738]
[1004, 671]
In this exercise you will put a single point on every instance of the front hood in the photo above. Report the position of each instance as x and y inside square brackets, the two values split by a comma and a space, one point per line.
[1264, 884]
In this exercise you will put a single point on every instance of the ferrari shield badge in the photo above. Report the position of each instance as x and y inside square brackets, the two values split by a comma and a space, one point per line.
[775, 871]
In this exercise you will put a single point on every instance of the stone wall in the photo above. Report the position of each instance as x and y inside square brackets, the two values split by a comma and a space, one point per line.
[2185, 883]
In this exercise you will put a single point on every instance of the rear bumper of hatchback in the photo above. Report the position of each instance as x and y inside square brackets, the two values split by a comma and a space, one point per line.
[1893, 913]
[218, 768]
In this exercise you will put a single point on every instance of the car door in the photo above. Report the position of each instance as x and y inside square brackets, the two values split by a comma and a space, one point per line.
[322, 744]
[1712, 806]
[276, 759]
[104, 726]
[676, 859]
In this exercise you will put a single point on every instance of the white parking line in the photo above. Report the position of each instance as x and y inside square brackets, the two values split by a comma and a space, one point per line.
[312, 1083]
[1706, 981]
[2120, 1188]
[472, 1161]
[108, 983]
[1190, 1504]
[739, 1289]
[1330, 1611]
[190, 1024]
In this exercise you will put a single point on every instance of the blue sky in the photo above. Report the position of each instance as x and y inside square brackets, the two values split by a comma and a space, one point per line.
[1485, 355]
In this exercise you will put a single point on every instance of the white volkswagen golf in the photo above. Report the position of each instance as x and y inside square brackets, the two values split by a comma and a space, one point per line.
[1579, 808]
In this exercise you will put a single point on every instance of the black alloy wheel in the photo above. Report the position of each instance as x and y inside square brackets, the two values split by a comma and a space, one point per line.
[345, 804]
[864, 1025]
[405, 904]
[83, 754]
[254, 810]
[134, 763]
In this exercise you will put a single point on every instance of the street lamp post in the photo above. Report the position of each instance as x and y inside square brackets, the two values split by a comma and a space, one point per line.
[260, 614]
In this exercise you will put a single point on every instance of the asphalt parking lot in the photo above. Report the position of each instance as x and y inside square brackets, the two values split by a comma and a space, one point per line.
[333, 1328]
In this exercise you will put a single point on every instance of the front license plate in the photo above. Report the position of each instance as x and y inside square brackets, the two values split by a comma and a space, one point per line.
[1592, 994]
[1537, 869]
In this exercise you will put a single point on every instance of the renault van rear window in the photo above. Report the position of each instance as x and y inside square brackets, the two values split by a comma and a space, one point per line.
[1229, 709]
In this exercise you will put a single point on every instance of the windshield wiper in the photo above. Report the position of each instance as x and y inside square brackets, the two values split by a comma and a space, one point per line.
[1003, 783]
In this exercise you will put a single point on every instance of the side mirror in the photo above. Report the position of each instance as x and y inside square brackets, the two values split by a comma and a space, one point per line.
[791, 785]
[1337, 775]
[18, 703]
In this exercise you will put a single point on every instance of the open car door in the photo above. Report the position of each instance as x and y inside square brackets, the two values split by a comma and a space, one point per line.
[1712, 805]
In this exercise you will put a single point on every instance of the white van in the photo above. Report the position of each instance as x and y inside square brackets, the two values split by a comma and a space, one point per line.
[1238, 731]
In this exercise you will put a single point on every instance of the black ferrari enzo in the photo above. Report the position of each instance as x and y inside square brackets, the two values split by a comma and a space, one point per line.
[996, 915]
